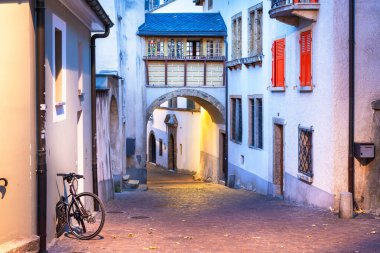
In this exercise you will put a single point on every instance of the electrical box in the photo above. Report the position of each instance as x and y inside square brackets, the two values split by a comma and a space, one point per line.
[364, 150]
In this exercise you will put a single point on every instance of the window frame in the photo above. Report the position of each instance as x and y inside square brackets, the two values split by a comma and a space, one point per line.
[59, 108]
[236, 38]
[254, 123]
[305, 174]
[236, 136]
[253, 49]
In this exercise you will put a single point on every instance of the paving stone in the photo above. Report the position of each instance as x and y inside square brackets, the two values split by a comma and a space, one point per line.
[183, 215]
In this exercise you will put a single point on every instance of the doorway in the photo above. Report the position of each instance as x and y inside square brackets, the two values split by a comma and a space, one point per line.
[222, 157]
[278, 159]
[171, 153]
[152, 148]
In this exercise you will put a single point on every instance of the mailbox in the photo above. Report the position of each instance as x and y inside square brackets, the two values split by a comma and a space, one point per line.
[364, 150]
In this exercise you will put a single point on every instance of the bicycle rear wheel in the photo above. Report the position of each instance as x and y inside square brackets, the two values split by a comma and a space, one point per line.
[86, 216]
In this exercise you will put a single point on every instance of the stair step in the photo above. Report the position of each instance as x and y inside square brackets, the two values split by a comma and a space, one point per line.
[133, 183]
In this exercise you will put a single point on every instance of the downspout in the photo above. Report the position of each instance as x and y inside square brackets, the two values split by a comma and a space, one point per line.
[41, 116]
[351, 116]
[227, 126]
[93, 107]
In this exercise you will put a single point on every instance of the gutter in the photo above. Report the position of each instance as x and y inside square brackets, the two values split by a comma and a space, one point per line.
[97, 8]
[227, 114]
[40, 120]
[351, 102]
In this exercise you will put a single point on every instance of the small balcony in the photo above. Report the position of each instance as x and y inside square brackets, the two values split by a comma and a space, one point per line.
[179, 71]
[291, 11]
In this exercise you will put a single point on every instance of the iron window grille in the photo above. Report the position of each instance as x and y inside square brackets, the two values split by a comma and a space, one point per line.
[160, 147]
[305, 151]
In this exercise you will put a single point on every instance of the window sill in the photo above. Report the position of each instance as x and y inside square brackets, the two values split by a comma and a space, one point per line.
[305, 88]
[60, 104]
[235, 141]
[277, 89]
[256, 148]
[305, 178]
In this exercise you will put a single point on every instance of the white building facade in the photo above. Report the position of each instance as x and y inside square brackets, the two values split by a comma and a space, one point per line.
[288, 98]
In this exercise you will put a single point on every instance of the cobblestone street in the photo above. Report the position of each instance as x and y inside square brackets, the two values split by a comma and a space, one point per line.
[177, 214]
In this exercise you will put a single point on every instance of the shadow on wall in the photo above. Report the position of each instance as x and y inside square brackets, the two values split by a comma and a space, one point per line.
[3, 189]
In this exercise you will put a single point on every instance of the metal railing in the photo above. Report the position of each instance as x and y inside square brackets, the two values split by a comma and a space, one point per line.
[279, 3]
[183, 58]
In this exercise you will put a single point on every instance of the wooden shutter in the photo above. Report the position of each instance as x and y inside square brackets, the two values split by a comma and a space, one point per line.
[273, 64]
[305, 58]
[280, 63]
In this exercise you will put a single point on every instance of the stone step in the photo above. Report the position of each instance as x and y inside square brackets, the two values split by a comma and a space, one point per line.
[133, 183]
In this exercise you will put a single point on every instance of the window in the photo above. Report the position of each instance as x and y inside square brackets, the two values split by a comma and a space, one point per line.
[305, 58]
[278, 63]
[236, 36]
[210, 4]
[80, 68]
[236, 119]
[255, 22]
[193, 48]
[179, 48]
[256, 121]
[160, 147]
[155, 47]
[171, 48]
[305, 148]
[190, 104]
[214, 48]
[172, 103]
[59, 69]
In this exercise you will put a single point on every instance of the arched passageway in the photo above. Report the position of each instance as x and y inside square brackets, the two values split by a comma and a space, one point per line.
[190, 139]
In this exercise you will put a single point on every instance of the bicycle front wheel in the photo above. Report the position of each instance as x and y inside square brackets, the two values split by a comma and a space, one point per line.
[86, 216]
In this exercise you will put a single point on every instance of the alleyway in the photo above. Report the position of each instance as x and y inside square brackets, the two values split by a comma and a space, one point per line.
[180, 215]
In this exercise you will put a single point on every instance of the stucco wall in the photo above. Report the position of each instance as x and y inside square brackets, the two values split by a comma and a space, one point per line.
[18, 133]
[178, 6]
[188, 136]
[62, 136]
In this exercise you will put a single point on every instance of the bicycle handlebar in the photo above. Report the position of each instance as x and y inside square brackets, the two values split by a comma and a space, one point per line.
[69, 176]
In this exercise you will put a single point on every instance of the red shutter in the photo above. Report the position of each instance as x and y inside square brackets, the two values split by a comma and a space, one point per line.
[273, 64]
[305, 58]
[280, 62]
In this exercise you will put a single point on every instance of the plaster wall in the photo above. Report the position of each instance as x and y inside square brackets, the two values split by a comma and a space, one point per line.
[18, 133]
[367, 90]
[62, 135]
[178, 6]
[188, 138]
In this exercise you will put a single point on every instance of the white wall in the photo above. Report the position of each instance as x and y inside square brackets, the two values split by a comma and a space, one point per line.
[188, 135]
[178, 6]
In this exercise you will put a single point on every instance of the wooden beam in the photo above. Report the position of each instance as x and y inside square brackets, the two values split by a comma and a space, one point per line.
[204, 72]
[185, 74]
[147, 72]
[166, 72]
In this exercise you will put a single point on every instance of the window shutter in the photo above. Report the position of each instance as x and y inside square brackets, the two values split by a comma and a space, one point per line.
[273, 63]
[305, 61]
[280, 63]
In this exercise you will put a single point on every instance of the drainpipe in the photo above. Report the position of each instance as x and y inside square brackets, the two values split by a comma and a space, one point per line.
[227, 126]
[351, 117]
[41, 114]
[93, 107]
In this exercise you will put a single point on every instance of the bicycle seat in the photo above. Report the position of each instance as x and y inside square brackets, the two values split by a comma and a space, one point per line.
[69, 176]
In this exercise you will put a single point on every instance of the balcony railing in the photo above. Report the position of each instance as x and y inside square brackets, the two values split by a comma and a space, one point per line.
[185, 58]
[279, 3]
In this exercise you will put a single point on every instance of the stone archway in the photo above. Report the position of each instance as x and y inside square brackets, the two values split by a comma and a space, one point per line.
[210, 103]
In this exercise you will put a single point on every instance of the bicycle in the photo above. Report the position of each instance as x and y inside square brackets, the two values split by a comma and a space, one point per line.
[84, 215]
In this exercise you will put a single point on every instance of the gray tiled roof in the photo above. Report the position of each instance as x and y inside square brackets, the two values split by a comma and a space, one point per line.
[183, 24]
